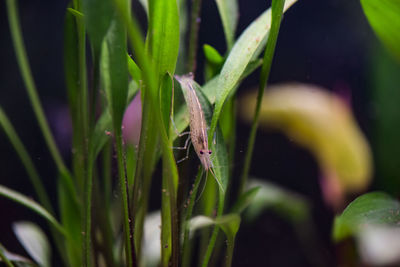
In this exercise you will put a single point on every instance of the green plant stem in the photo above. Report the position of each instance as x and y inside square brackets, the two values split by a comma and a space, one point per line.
[136, 41]
[30, 85]
[229, 252]
[189, 211]
[214, 234]
[277, 10]
[123, 181]
[193, 35]
[83, 104]
[88, 217]
[83, 127]
[82, 77]
[3, 257]
[107, 182]
[106, 244]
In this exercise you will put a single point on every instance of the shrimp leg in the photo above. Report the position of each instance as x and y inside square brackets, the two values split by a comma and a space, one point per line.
[187, 151]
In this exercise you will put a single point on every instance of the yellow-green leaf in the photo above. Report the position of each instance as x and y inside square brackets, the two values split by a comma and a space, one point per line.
[321, 122]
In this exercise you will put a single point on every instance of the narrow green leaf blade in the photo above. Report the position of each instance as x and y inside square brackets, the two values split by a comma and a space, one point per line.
[376, 208]
[245, 49]
[163, 34]
[212, 55]
[134, 70]
[70, 212]
[228, 10]
[98, 16]
[35, 242]
[75, 12]
[384, 17]
[230, 224]
[100, 135]
[114, 70]
[211, 90]
[32, 205]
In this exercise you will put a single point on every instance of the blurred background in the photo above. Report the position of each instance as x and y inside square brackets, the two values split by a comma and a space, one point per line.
[327, 43]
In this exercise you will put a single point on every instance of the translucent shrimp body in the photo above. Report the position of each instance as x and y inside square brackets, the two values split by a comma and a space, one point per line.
[198, 126]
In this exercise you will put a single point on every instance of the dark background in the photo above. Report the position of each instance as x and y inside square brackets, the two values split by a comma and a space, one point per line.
[327, 43]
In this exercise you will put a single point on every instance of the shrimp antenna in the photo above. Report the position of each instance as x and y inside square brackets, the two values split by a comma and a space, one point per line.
[216, 179]
[204, 187]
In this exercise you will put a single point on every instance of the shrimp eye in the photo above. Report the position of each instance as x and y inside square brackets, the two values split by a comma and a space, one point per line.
[201, 152]
[209, 152]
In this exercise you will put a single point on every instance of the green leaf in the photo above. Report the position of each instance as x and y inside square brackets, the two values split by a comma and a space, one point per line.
[71, 64]
[229, 224]
[35, 242]
[166, 100]
[169, 232]
[321, 122]
[115, 81]
[245, 200]
[211, 90]
[245, 49]
[100, 135]
[114, 71]
[162, 47]
[75, 12]
[98, 16]
[214, 62]
[212, 55]
[199, 222]
[134, 70]
[271, 196]
[371, 209]
[32, 205]
[228, 10]
[70, 212]
[183, 29]
[163, 36]
[73, 71]
[384, 17]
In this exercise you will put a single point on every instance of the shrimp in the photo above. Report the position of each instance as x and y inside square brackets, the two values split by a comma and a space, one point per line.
[197, 122]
